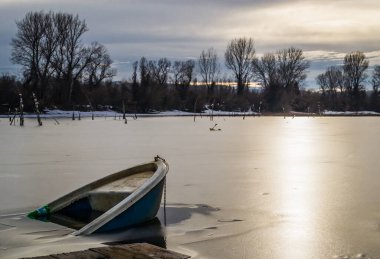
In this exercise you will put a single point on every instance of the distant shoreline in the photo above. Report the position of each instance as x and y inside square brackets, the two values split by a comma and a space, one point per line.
[54, 114]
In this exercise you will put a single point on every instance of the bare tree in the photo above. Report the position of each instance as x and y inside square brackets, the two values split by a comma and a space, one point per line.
[153, 83]
[354, 67]
[280, 75]
[265, 71]
[286, 69]
[144, 72]
[183, 72]
[331, 80]
[208, 66]
[376, 79]
[99, 67]
[338, 78]
[238, 57]
[375, 96]
[72, 57]
[33, 46]
[135, 85]
[159, 71]
[322, 81]
[292, 68]
[48, 46]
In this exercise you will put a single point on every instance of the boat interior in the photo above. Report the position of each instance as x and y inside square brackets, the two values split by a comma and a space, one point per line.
[90, 205]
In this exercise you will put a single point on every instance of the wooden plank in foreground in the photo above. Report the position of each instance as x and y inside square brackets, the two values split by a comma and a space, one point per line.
[128, 251]
[78, 255]
[119, 253]
[156, 252]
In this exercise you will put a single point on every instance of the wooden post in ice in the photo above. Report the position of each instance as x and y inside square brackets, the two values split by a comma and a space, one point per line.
[37, 109]
[123, 110]
[124, 117]
[260, 108]
[135, 116]
[195, 107]
[212, 111]
[21, 111]
[92, 110]
[78, 115]
[13, 120]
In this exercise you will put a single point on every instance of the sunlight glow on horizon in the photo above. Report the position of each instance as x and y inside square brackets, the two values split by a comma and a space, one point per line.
[309, 23]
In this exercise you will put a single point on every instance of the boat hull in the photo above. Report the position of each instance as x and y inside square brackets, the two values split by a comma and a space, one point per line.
[109, 203]
[143, 210]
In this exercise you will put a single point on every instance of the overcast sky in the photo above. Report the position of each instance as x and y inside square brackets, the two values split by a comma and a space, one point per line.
[180, 29]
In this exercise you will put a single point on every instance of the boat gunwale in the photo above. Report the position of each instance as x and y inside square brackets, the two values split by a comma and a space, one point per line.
[159, 167]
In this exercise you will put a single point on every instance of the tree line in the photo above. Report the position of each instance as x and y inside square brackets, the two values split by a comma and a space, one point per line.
[54, 60]
[64, 72]
[343, 87]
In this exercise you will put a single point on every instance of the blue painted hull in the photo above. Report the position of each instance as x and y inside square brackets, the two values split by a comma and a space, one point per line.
[143, 210]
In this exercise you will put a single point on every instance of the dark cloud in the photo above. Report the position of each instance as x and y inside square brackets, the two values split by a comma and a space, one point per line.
[180, 29]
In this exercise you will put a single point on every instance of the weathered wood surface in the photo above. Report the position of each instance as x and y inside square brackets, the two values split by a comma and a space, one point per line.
[128, 251]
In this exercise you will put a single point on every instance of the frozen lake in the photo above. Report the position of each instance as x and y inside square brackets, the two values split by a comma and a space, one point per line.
[263, 187]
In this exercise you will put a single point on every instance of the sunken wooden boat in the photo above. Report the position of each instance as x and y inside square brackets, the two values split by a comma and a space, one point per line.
[117, 201]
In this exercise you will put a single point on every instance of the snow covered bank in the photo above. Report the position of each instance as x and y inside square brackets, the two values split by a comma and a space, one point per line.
[110, 113]
[346, 113]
